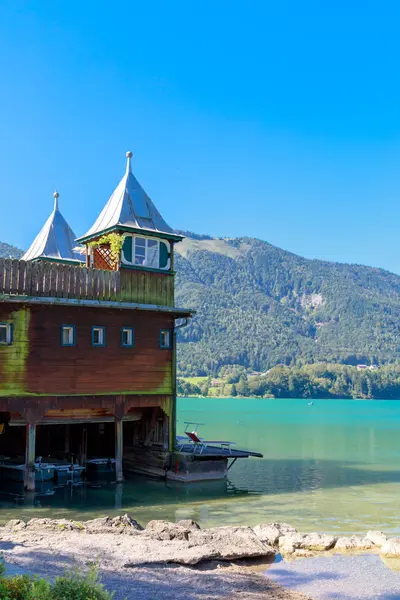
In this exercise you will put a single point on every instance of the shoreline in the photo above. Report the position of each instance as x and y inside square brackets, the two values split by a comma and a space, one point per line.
[164, 558]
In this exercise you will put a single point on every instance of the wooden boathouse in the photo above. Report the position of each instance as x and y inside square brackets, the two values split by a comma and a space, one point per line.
[87, 339]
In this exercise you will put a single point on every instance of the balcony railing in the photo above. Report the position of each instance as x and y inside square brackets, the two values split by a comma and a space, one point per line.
[48, 279]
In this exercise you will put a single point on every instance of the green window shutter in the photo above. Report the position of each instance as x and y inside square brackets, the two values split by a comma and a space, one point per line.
[127, 248]
[164, 255]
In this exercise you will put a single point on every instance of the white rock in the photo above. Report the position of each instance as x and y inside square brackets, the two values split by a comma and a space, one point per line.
[268, 533]
[377, 537]
[391, 548]
[318, 541]
[355, 542]
[291, 542]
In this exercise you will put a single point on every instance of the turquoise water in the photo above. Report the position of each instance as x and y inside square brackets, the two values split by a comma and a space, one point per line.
[333, 466]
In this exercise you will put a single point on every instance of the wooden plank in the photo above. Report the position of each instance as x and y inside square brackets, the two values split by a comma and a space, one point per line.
[89, 293]
[28, 278]
[95, 291]
[40, 278]
[53, 272]
[83, 283]
[2, 274]
[7, 275]
[107, 280]
[33, 286]
[101, 285]
[21, 276]
[46, 279]
[14, 276]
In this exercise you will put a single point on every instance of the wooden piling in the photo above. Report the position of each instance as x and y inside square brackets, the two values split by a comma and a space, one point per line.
[29, 473]
[119, 444]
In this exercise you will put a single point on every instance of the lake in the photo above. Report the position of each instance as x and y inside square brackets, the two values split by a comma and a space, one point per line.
[333, 466]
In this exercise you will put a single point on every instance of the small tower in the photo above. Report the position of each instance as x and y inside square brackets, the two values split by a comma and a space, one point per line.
[147, 239]
[55, 242]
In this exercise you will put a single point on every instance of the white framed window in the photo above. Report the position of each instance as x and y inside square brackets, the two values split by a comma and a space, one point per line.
[5, 333]
[165, 339]
[68, 335]
[127, 337]
[98, 336]
[146, 252]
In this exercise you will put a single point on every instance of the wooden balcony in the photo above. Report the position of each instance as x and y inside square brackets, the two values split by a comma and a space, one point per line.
[55, 280]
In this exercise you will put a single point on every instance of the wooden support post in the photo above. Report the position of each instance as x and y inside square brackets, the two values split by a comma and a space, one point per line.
[29, 474]
[119, 445]
[67, 437]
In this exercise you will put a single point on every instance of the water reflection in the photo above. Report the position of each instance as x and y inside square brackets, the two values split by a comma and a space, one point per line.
[334, 466]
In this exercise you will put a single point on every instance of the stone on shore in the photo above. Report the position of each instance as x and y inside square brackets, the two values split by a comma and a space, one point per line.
[354, 542]
[318, 542]
[219, 543]
[391, 548]
[164, 530]
[377, 537]
[268, 533]
[291, 542]
[271, 532]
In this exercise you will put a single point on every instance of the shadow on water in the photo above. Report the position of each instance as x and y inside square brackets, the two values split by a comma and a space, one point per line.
[265, 477]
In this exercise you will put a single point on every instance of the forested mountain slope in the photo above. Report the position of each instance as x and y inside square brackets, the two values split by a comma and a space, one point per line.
[260, 306]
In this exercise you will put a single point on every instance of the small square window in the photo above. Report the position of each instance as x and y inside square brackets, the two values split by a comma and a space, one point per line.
[5, 333]
[68, 335]
[98, 336]
[165, 339]
[127, 337]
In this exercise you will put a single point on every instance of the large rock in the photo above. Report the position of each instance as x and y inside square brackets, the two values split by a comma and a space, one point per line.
[318, 541]
[391, 548]
[355, 542]
[15, 525]
[219, 543]
[164, 530]
[229, 543]
[377, 537]
[291, 542]
[268, 533]
[189, 524]
[271, 532]
[121, 524]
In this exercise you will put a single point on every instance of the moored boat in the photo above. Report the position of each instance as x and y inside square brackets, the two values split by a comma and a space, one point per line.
[15, 471]
[100, 466]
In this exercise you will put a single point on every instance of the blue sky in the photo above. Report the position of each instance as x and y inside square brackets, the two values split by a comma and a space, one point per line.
[278, 120]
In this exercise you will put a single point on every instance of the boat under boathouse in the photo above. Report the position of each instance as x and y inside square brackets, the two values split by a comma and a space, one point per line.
[87, 348]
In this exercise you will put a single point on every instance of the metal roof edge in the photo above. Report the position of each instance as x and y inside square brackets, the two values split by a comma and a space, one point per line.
[181, 312]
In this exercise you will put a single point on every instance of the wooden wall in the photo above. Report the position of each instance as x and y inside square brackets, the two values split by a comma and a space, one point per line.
[36, 363]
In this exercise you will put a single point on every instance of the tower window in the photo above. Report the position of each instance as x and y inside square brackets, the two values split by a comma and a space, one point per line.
[5, 333]
[165, 339]
[68, 335]
[146, 252]
[127, 337]
[98, 336]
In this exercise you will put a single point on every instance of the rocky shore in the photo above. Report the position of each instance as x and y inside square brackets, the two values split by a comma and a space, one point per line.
[163, 556]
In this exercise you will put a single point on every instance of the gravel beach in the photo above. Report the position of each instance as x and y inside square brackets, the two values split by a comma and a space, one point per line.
[47, 552]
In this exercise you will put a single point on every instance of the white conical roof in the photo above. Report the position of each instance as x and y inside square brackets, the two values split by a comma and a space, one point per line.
[56, 240]
[129, 206]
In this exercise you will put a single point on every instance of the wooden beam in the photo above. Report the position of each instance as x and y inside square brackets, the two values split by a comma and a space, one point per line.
[29, 474]
[119, 449]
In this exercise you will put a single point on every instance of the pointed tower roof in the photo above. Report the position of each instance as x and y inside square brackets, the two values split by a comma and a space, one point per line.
[130, 209]
[55, 241]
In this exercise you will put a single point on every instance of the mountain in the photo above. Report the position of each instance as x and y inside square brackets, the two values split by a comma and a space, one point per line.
[7, 251]
[260, 306]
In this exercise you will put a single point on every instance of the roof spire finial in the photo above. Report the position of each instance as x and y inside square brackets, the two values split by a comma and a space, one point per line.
[128, 162]
[56, 195]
